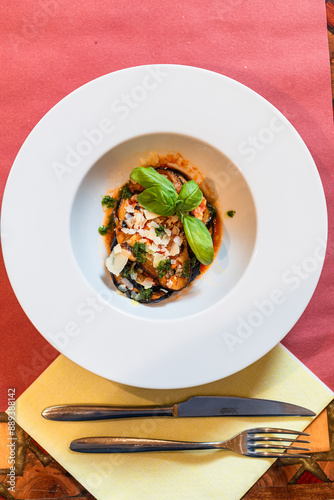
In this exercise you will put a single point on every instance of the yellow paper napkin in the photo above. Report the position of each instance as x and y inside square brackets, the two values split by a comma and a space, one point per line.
[209, 475]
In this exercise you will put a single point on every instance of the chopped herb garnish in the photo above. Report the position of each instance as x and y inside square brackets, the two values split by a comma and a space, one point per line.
[193, 262]
[111, 222]
[145, 294]
[108, 201]
[163, 267]
[159, 231]
[231, 213]
[126, 192]
[212, 210]
[103, 230]
[139, 250]
[126, 272]
[186, 269]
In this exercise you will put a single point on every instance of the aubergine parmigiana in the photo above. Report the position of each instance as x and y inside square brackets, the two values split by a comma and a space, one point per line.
[151, 257]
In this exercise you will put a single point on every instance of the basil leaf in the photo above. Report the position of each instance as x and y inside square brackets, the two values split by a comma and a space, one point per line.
[191, 195]
[199, 239]
[158, 201]
[148, 177]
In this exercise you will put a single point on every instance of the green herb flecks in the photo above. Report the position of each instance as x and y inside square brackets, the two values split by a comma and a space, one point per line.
[139, 250]
[159, 231]
[186, 269]
[126, 192]
[145, 294]
[125, 273]
[163, 267]
[108, 201]
[103, 230]
[212, 210]
[230, 213]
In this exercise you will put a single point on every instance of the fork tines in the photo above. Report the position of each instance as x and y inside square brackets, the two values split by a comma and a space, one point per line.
[257, 443]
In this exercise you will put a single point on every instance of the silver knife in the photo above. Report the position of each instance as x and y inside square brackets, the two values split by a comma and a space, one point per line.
[197, 406]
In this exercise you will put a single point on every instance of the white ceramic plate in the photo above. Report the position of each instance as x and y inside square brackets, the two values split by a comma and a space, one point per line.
[254, 162]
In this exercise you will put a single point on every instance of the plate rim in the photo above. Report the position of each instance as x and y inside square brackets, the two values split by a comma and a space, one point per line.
[172, 67]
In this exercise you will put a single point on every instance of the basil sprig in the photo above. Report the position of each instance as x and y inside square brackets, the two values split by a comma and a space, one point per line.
[161, 198]
[157, 201]
[199, 239]
[148, 177]
[190, 195]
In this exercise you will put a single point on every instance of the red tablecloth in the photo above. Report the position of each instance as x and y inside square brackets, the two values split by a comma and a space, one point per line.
[50, 47]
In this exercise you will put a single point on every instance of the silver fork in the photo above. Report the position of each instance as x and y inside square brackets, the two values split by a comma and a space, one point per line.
[252, 442]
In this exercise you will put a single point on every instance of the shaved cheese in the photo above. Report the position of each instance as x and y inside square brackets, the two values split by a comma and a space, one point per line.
[130, 208]
[129, 220]
[118, 249]
[178, 240]
[125, 282]
[139, 220]
[117, 260]
[175, 249]
[128, 231]
[158, 240]
[147, 283]
[158, 257]
[150, 215]
[153, 248]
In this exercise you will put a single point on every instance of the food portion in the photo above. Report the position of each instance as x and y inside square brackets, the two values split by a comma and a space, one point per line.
[161, 230]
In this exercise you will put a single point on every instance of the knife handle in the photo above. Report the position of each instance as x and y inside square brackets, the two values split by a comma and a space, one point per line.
[131, 445]
[77, 412]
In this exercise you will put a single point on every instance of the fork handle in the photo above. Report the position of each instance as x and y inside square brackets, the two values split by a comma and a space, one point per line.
[130, 445]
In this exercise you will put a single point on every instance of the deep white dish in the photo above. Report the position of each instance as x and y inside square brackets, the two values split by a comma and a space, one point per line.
[254, 162]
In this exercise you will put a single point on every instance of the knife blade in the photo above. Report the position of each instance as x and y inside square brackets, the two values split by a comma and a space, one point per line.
[197, 406]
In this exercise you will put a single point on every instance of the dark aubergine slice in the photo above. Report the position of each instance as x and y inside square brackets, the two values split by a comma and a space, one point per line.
[120, 211]
[128, 241]
[195, 266]
[177, 178]
[175, 282]
[149, 296]
[158, 293]
[209, 215]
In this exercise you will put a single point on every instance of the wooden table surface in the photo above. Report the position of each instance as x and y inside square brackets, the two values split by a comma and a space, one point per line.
[38, 476]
